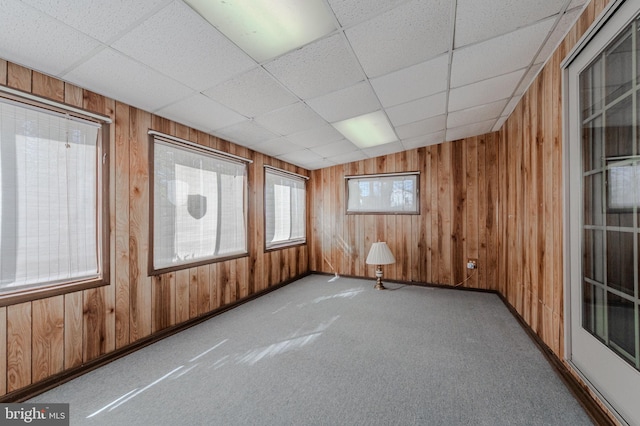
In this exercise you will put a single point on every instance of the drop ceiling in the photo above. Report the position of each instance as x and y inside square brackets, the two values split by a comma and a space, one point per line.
[436, 70]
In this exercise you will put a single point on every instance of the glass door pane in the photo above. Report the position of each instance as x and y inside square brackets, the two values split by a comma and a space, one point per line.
[610, 184]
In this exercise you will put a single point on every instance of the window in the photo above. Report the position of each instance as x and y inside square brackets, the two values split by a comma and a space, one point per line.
[393, 193]
[285, 198]
[199, 205]
[52, 176]
[602, 210]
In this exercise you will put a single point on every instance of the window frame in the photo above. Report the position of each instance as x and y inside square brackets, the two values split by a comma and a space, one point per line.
[290, 242]
[416, 194]
[103, 232]
[207, 151]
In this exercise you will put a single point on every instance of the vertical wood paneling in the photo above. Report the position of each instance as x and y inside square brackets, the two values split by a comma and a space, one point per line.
[458, 191]
[530, 193]
[458, 182]
[73, 331]
[121, 207]
[162, 296]
[18, 77]
[139, 282]
[182, 296]
[193, 292]
[3, 72]
[47, 339]
[19, 352]
[204, 290]
[493, 218]
[47, 87]
[3, 338]
[109, 292]
[73, 96]
[94, 330]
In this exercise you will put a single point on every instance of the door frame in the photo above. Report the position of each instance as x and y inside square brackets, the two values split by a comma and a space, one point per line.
[572, 194]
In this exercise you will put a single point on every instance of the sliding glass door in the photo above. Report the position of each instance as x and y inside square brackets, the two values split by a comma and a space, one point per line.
[604, 211]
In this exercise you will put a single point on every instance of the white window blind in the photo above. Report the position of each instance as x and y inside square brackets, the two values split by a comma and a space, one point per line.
[49, 213]
[387, 193]
[285, 208]
[199, 205]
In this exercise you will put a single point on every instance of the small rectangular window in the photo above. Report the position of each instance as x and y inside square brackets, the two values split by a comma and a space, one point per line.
[285, 199]
[199, 201]
[392, 193]
[52, 204]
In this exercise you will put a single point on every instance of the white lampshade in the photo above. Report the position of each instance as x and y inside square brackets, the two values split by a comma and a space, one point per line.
[380, 255]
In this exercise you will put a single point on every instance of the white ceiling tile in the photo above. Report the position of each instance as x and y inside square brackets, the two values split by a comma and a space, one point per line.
[476, 114]
[320, 164]
[321, 67]
[179, 43]
[103, 20]
[406, 35]
[499, 55]
[201, 112]
[489, 90]
[481, 20]
[33, 39]
[425, 140]
[252, 93]
[350, 12]
[470, 130]
[277, 147]
[416, 81]
[348, 157]
[119, 77]
[246, 133]
[557, 35]
[346, 103]
[417, 110]
[388, 148]
[290, 119]
[422, 127]
[334, 148]
[301, 158]
[316, 136]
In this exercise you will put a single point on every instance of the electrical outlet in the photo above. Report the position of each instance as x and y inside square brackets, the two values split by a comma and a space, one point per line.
[472, 264]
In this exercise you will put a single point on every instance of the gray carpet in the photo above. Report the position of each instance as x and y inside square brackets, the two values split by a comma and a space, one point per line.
[334, 353]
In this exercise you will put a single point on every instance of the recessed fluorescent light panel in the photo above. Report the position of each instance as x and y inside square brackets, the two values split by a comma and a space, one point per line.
[367, 130]
[265, 29]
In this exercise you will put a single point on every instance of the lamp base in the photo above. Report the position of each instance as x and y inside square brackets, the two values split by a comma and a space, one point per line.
[379, 285]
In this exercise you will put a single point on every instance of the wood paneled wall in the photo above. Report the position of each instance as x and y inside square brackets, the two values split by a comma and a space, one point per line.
[47, 336]
[458, 217]
[531, 263]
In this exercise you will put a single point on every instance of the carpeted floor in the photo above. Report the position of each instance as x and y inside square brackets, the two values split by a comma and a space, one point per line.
[320, 352]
